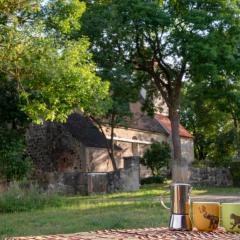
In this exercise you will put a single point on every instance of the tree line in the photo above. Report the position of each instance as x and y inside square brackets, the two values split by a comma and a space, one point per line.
[58, 56]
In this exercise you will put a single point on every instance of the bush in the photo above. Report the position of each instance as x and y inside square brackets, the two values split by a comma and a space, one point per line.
[154, 179]
[14, 162]
[17, 199]
[157, 157]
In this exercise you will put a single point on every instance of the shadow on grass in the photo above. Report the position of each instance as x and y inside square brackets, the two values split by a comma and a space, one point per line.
[149, 190]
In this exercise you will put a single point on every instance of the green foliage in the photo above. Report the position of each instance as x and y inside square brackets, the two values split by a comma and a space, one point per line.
[10, 111]
[67, 82]
[110, 65]
[157, 157]
[212, 115]
[205, 121]
[54, 74]
[63, 16]
[133, 35]
[17, 199]
[14, 162]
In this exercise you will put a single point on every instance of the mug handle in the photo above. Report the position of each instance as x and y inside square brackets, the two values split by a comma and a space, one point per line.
[220, 213]
[162, 201]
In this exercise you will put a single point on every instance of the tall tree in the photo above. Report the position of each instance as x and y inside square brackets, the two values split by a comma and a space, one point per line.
[227, 100]
[162, 44]
[209, 125]
[54, 74]
[123, 90]
[43, 72]
[213, 115]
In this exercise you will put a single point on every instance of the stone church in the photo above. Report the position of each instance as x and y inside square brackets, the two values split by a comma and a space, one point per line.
[79, 146]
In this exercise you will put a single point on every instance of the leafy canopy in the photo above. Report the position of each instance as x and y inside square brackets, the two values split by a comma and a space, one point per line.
[160, 45]
[212, 114]
[163, 42]
[55, 74]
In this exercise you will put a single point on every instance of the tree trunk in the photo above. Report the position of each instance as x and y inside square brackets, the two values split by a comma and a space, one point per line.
[179, 165]
[112, 143]
[237, 140]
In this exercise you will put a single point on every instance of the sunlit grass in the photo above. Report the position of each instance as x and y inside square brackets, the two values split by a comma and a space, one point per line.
[109, 211]
[93, 205]
[85, 217]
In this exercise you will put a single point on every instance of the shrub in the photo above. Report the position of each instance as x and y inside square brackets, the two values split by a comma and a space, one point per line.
[14, 162]
[17, 199]
[153, 179]
[157, 157]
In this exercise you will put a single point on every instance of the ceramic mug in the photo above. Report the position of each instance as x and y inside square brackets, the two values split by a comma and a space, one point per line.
[231, 216]
[206, 215]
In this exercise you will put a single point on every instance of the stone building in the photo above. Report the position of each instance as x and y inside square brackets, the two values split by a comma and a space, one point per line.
[78, 145]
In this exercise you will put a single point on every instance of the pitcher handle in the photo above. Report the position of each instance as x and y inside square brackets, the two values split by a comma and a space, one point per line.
[162, 201]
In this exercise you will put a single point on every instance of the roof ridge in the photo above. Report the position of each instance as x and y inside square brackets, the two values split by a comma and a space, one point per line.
[183, 132]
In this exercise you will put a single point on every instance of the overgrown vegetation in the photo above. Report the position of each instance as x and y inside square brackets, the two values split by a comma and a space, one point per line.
[20, 198]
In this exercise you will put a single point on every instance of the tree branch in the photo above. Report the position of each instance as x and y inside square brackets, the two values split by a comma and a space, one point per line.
[110, 147]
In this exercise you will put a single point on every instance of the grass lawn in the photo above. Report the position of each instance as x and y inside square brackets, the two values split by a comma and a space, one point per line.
[111, 211]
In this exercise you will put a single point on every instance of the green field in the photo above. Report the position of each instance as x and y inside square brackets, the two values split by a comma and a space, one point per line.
[110, 211]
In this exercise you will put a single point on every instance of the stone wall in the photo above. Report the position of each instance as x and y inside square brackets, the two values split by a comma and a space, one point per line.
[65, 182]
[38, 147]
[52, 148]
[210, 177]
[126, 179]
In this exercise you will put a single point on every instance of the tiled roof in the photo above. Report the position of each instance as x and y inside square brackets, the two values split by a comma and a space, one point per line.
[85, 131]
[145, 123]
[165, 122]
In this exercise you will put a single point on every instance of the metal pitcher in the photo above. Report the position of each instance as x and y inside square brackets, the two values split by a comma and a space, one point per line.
[180, 207]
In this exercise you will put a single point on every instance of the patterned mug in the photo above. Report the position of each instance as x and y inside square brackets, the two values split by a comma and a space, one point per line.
[206, 215]
[231, 216]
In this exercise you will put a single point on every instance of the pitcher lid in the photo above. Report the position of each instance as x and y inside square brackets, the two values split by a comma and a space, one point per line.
[177, 184]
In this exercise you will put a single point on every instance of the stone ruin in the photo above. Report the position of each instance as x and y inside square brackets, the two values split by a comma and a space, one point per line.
[85, 183]
[218, 176]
